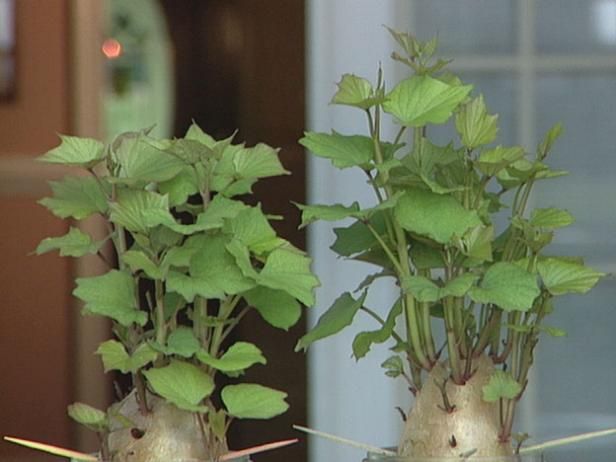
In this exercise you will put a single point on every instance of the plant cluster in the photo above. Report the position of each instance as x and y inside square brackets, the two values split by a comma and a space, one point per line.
[187, 260]
[485, 288]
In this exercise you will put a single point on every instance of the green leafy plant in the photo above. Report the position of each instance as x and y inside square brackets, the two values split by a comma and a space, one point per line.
[484, 288]
[187, 260]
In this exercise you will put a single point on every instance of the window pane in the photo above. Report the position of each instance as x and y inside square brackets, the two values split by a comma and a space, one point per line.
[467, 26]
[586, 105]
[575, 375]
[576, 26]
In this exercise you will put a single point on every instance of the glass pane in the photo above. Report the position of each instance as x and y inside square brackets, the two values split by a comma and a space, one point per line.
[467, 26]
[574, 26]
[586, 105]
[575, 375]
[498, 91]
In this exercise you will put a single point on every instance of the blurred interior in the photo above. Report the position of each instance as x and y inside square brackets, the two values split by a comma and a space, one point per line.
[267, 69]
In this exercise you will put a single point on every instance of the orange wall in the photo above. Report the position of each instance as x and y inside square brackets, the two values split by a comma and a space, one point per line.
[35, 309]
[41, 106]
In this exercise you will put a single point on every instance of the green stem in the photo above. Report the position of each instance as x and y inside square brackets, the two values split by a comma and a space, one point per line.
[161, 325]
[386, 248]
[452, 344]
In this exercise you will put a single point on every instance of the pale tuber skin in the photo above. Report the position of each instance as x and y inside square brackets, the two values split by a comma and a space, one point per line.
[165, 433]
[469, 424]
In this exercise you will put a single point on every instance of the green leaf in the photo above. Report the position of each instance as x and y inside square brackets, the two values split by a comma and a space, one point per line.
[344, 151]
[180, 187]
[566, 277]
[492, 161]
[252, 401]
[197, 134]
[115, 357]
[88, 415]
[260, 161]
[501, 385]
[242, 258]
[182, 384]
[218, 210]
[76, 151]
[139, 261]
[393, 366]
[75, 243]
[111, 295]
[426, 257]
[422, 100]
[182, 342]
[276, 307]
[475, 126]
[364, 340]
[336, 318]
[239, 356]
[190, 287]
[251, 227]
[548, 141]
[141, 161]
[551, 218]
[357, 237]
[436, 216]
[508, 286]
[214, 265]
[289, 271]
[355, 91]
[139, 211]
[311, 213]
[477, 243]
[77, 197]
[425, 290]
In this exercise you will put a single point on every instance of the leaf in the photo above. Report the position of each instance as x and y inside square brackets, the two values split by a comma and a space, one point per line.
[492, 161]
[260, 161]
[337, 317]
[75, 243]
[77, 197]
[343, 151]
[55, 450]
[393, 366]
[508, 286]
[190, 287]
[289, 271]
[436, 216]
[76, 151]
[355, 91]
[182, 342]
[364, 340]
[214, 265]
[252, 401]
[475, 126]
[501, 385]
[87, 415]
[182, 384]
[566, 277]
[421, 100]
[180, 187]
[239, 356]
[276, 307]
[425, 290]
[197, 134]
[139, 211]
[111, 295]
[115, 357]
[551, 218]
[311, 213]
[219, 209]
[251, 227]
[425, 256]
[139, 261]
[357, 237]
[550, 138]
[141, 161]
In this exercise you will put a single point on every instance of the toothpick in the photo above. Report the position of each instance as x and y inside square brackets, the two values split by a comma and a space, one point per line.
[55, 450]
[567, 440]
[257, 449]
[338, 439]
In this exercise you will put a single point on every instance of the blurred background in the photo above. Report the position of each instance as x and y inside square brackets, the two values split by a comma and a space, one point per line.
[268, 68]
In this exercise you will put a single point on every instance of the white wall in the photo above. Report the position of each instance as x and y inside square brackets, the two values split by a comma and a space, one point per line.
[348, 398]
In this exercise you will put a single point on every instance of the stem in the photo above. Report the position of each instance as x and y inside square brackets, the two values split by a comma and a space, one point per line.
[386, 248]
[161, 326]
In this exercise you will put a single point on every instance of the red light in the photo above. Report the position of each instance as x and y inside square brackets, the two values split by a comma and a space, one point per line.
[111, 48]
